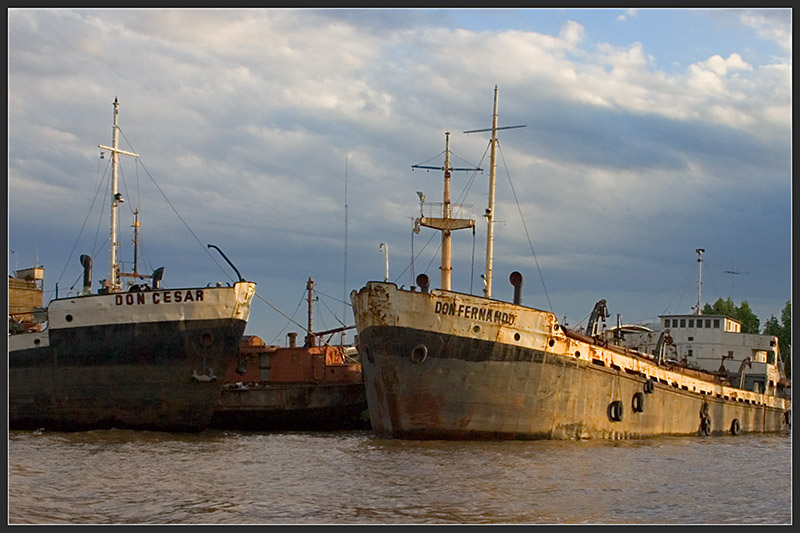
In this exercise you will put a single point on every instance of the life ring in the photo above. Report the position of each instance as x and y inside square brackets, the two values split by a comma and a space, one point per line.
[615, 411]
[649, 386]
[735, 427]
[637, 403]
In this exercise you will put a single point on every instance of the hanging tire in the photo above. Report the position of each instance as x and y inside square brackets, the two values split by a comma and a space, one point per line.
[704, 410]
[649, 386]
[735, 427]
[637, 403]
[615, 411]
[705, 426]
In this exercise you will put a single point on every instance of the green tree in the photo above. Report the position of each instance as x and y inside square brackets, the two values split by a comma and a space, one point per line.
[782, 330]
[743, 313]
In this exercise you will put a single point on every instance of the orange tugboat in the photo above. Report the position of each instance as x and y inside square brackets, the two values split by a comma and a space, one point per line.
[317, 386]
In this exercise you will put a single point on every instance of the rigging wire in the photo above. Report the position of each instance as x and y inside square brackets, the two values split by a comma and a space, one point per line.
[418, 254]
[472, 268]
[333, 298]
[681, 289]
[88, 213]
[305, 329]
[207, 250]
[95, 246]
[464, 191]
[331, 312]
[525, 226]
[707, 275]
[290, 318]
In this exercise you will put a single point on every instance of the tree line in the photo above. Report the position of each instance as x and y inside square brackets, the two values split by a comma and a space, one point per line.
[750, 324]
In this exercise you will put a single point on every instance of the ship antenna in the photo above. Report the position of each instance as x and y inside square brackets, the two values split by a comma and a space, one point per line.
[733, 272]
[344, 284]
[136, 225]
[699, 251]
[310, 289]
[487, 290]
[116, 199]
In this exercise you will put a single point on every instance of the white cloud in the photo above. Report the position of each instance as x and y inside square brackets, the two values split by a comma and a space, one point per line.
[246, 118]
[771, 24]
[628, 13]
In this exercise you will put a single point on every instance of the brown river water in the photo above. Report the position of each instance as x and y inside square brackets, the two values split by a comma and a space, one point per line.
[228, 477]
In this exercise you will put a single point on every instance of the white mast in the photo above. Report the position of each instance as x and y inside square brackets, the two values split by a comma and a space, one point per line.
[699, 251]
[487, 290]
[116, 199]
[487, 278]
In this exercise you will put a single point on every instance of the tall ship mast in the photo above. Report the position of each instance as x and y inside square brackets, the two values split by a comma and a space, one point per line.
[441, 364]
[141, 358]
[446, 223]
[114, 284]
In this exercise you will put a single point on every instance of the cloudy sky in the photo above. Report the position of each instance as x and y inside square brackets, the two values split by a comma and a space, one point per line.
[287, 137]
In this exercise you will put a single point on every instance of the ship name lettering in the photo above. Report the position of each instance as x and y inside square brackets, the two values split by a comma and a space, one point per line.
[475, 313]
[138, 298]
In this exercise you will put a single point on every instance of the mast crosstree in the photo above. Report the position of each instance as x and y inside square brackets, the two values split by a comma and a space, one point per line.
[446, 223]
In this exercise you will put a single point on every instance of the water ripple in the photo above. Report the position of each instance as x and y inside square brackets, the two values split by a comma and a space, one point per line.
[226, 477]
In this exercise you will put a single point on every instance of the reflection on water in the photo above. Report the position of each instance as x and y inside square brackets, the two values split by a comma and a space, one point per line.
[224, 477]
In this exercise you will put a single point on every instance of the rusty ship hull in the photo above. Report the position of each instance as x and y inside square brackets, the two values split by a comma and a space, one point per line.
[129, 360]
[272, 388]
[446, 365]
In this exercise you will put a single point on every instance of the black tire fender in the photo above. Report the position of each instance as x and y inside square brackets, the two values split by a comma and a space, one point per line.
[637, 402]
[615, 411]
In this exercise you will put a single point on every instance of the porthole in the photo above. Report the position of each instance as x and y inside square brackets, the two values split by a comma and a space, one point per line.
[476, 329]
[577, 353]
[551, 343]
[516, 336]
[68, 318]
[419, 353]
[37, 342]
[207, 339]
